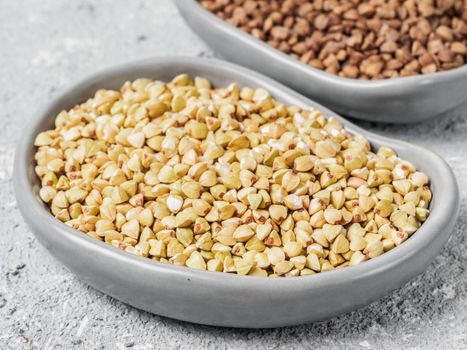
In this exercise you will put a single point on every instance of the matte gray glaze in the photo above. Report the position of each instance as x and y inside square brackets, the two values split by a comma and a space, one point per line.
[222, 299]
[399, 100]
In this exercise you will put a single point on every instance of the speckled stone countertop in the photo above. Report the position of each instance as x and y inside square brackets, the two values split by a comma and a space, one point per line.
[49, 44]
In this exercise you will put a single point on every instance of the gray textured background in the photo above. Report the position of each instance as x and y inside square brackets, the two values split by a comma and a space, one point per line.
[46, 45]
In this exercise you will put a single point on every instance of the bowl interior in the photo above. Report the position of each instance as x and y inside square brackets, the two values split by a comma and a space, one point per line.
[220, 74]
[368, 85]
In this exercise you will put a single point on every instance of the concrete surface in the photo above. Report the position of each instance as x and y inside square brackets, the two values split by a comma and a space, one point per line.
[46, 45]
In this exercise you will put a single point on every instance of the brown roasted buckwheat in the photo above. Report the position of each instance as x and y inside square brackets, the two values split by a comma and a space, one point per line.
[227, 180]
[374, 39]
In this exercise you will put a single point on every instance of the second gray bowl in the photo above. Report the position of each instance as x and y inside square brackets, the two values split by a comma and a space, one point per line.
[399, 100]
[216, 298]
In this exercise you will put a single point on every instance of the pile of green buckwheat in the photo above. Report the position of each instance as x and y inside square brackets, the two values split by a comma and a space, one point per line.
[226, 180]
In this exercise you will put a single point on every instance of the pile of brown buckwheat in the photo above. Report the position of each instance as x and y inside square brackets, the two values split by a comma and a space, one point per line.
[373, 39]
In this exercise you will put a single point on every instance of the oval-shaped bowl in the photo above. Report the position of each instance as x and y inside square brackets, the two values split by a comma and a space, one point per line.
[215, 298]
[399, 100]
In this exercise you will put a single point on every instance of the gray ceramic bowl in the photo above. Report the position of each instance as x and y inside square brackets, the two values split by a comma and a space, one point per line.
[400, 100]
[222, 299]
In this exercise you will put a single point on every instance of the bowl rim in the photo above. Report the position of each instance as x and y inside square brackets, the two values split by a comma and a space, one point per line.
[367, 85]
[35, 212]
